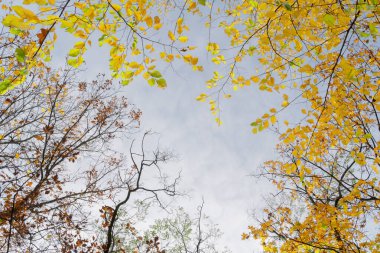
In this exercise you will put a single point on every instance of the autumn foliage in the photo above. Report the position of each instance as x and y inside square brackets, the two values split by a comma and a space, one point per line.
[323, 56]
[46, 124]
[321, 59]
[49, 198]
[31, 30]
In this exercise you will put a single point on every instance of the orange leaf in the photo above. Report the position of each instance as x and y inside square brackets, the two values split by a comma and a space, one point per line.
[42, 35]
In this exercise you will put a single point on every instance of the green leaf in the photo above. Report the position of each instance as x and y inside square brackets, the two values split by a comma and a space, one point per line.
[125, 81]
[161, 83]
[329, 19]
[202, 2]
[20, 55]
[24, 71]
[253, 3]
[151, 82]
[4, 85]
[134, 43]
[155, 74]
[102, 37]
[15, 31]
[373, 29]
[287, 6]
[251, 50]
[364, 35]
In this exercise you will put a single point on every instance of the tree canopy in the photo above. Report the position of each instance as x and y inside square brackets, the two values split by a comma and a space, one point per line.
[64, 187]
[320, 57]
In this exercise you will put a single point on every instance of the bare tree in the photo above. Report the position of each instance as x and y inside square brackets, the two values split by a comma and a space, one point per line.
[58, 165]
[141, 164]
[178, 232]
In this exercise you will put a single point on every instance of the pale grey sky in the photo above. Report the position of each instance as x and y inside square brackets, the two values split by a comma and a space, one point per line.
[215, 161]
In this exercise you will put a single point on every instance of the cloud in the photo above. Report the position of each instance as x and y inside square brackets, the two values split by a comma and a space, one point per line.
[215, 161]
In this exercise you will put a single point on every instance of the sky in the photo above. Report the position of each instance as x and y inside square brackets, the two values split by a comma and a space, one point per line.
[216, 162]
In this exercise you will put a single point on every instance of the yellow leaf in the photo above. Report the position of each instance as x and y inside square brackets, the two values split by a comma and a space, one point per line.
[202, 97]
[285, 103]
[306, 69]
[79, 45]
[116, 7]
[273, 119]
[179, 21]
[375, 168]
[171, 36]
[273, 110]
[183, 39]
[80, 5]
[134, 65]
[81, 34]
[149, 21]
[39, 2]
[218, 121]
[74, 52]
[157, 26]
[194, 60]
[25, 13]
[14, 21]
[213, 48]
[170, 57]
[255, 79]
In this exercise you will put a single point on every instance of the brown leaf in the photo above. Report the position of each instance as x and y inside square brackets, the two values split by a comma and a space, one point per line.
[48, 129]
[39, 137]
[7, 101]
[42, 35]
